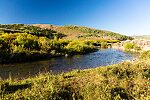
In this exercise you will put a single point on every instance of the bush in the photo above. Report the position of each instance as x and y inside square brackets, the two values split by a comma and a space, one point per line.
[104, 45]
[132, 46]
[27, 41]
[145, 54]
[129, 45]
[45, 44]
[137, 48]
[80, 47]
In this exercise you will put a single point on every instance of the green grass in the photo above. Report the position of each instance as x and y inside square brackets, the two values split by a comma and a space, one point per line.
[127, 80]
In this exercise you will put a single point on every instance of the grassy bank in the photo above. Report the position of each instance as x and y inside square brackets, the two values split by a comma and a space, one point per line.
[127, 80]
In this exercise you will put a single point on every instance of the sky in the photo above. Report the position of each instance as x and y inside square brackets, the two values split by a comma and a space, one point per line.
[128, 17]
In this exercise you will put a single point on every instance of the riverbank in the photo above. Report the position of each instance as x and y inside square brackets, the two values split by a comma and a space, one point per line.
[127, 80]
[136, 45]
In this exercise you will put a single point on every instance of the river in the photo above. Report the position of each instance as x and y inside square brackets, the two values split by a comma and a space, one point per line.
[63, 64]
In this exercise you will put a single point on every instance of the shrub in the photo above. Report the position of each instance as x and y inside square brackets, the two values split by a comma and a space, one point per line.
[145, 54]
[27, 41]
[78, 47]
[137, 48]
[104, 45]
[129, 45]
[44, 43]
[132, 46]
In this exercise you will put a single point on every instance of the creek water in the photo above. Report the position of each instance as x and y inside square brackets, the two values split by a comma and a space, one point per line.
[63, 64]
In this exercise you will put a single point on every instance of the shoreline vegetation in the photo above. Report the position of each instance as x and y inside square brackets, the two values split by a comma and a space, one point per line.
[22, 47]
[127, 80]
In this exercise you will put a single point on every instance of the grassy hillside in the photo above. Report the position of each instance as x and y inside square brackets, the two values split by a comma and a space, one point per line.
[68, 31]
[124, 81]
[81, 32]
[22, 28]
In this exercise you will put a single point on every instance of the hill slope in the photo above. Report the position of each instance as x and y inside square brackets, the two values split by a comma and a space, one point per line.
[67, 32]
[23, 28]
[81, 32]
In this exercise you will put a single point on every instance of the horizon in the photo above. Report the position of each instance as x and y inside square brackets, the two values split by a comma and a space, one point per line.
[125, 17]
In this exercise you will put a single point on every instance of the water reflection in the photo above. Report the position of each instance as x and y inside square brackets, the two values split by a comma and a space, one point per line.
[63, 64]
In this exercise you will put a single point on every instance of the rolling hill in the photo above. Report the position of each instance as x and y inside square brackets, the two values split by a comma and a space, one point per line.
[66, 32]
[82, 32]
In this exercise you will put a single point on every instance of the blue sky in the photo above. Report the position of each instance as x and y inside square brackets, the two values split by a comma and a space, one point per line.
[129, 17]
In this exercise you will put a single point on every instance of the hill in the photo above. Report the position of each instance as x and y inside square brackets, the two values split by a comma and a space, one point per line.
[23, 28]
[66, 32]
[82, 32]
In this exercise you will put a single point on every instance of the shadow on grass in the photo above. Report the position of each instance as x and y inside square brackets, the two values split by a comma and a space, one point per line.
[68, 93]
[146, 73]
[7, 88]
[121, 92]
